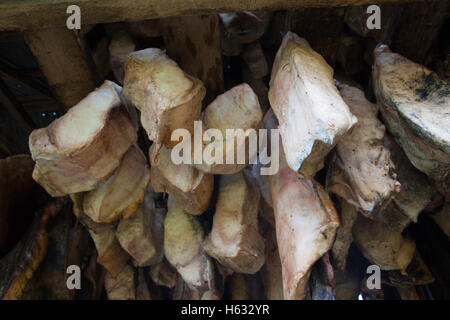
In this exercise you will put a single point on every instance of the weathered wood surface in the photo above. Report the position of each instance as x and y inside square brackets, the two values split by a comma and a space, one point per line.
[29, 14]
[194, 43]
[63, 63]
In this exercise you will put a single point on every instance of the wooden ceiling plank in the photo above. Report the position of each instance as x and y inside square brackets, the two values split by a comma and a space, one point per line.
[32, 14]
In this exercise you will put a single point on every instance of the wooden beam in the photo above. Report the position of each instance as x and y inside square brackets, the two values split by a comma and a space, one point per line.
[32, 14]
[194, 43]
[63, 63]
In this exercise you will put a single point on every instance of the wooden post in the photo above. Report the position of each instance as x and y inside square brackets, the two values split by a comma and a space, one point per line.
[194, 43]
[62, 62]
